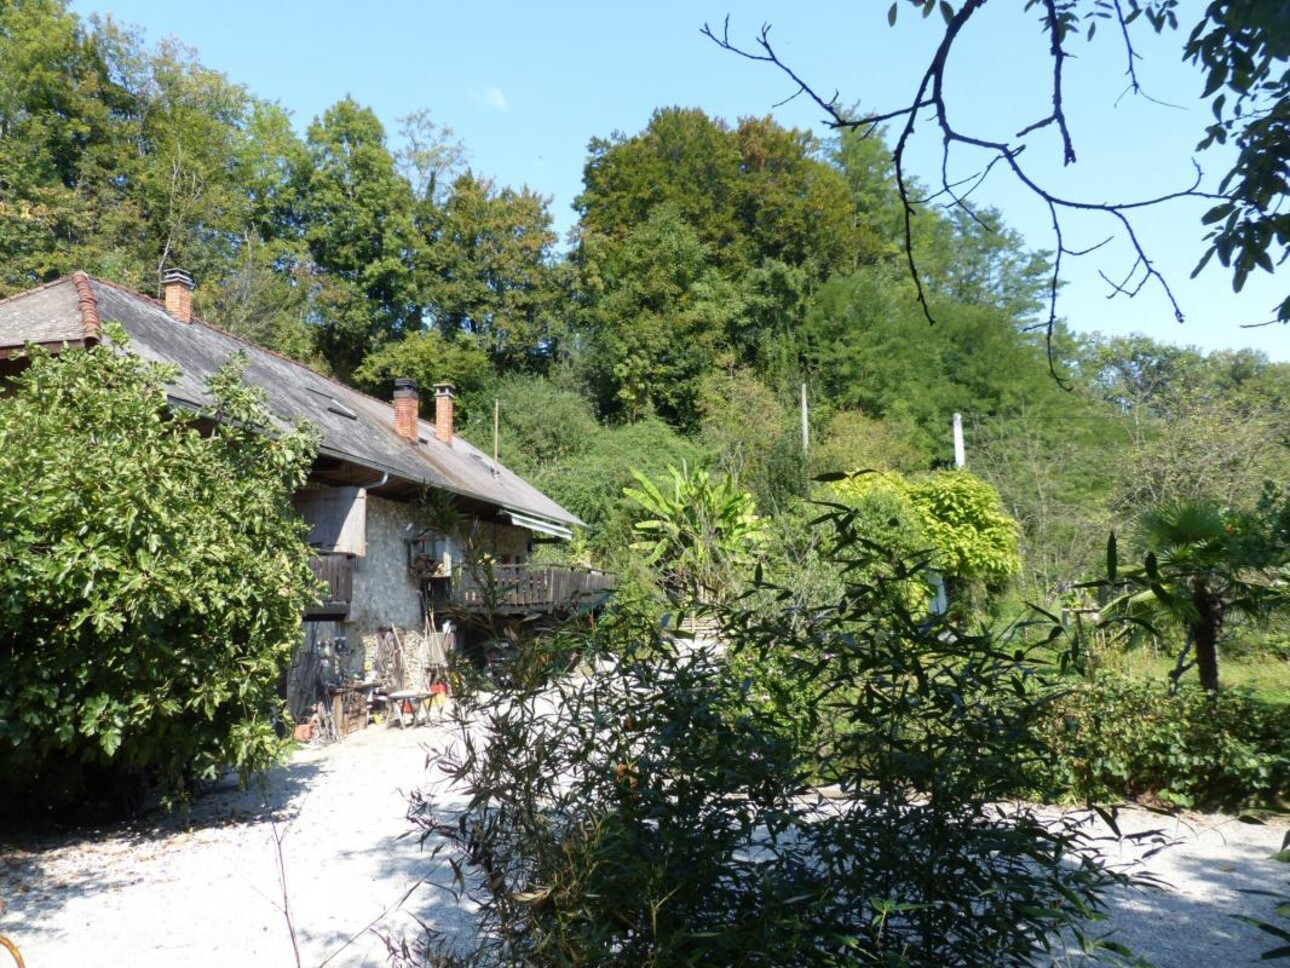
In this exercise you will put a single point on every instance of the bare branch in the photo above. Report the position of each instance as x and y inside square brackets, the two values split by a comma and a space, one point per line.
[1058, 116]
[930, 97]
[1128, 48]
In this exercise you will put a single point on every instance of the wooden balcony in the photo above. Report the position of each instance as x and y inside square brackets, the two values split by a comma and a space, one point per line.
[336, 571]
[517, 589]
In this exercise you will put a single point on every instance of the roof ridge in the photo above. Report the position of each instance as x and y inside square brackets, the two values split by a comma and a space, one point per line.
[431, 439]
[88, 306]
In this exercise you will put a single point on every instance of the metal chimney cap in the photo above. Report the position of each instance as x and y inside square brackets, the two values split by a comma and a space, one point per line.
[405, 384]
[175, 275]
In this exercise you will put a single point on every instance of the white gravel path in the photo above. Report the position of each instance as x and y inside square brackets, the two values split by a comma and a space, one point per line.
[1212, 861]
[204, 891]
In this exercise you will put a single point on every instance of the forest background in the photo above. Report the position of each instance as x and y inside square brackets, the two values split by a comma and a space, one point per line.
[715, 267]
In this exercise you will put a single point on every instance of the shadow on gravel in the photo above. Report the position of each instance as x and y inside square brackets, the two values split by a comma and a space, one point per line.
[1205, 879]
[30, 891]
[418, 895]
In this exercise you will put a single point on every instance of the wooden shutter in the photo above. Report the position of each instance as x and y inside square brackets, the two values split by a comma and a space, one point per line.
[338, 518]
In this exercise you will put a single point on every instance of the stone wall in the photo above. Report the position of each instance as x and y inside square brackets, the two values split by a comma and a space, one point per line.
[385, 595]
[384, 592]
[507, 544]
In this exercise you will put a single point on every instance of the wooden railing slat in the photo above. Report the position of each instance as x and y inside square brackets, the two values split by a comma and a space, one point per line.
[530, 586]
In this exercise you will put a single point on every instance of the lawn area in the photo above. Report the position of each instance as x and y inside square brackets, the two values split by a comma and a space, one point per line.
[1267, 676]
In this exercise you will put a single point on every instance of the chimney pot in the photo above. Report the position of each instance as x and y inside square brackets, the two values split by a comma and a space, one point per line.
[177, 286]
[444, 396]
[406, 404]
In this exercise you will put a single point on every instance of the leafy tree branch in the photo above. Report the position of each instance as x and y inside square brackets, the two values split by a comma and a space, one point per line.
[1240, 45]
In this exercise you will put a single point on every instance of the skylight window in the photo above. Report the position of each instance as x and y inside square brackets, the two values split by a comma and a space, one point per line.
[333, 405]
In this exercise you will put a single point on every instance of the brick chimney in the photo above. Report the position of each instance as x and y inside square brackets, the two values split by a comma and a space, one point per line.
[444, 394]
[406, 403]
[177, 285]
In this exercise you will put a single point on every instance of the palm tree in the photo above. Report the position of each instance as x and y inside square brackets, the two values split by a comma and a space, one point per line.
[1203, 564]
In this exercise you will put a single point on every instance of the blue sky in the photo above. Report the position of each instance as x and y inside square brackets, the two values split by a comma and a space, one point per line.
[526, 85]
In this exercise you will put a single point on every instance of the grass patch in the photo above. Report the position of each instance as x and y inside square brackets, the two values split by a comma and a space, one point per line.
[1268, 677]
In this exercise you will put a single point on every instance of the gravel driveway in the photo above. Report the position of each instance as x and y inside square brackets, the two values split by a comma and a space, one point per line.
[205, 891]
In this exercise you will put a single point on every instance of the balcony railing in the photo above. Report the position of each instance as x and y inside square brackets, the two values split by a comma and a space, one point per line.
[529, 588]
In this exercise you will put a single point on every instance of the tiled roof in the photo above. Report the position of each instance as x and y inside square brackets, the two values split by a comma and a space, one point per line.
[354, 427]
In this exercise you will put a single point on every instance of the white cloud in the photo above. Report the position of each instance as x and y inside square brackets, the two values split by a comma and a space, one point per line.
[492, 97]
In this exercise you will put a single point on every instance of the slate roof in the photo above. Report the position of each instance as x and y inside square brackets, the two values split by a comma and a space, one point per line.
[355, 427]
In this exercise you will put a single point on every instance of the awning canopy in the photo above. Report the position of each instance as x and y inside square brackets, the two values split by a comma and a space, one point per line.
[523, 519]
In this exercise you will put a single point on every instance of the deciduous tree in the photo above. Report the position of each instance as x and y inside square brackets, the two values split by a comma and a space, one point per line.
[489, 273]
[356, 214]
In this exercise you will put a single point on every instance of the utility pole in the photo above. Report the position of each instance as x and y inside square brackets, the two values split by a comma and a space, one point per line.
[806, 425]
[960, 460]
[497, 408]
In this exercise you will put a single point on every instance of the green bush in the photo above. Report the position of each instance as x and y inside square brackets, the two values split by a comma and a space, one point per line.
[652, 812]
[152, 575]
[1113, 737]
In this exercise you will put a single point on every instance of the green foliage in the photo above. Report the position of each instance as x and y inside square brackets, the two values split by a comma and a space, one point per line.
[1113, 737]
[153, 576]
[544, 423]
[1243, 47]
[754, 437]
[428, 358]
[696, 236]
[356, 213]
[754, 193]
[700, 533]
[958, 517]
[882, 510]
[868, 347]
[658, 313]
[488, 273]
[852, 439]
[590, 479]
[1203, 563]
[963, 516]
[650, 814]
[1194, 427]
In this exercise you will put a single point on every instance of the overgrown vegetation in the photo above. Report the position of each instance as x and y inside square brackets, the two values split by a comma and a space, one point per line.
[657, 810]
[1112, 738]
[152, 576]
[716, 266]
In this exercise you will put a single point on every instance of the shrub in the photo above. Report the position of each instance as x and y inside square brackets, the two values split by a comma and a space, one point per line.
[701, 533]
[1115, 737]
[152, 575]
[957, 520]
[648, 813]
